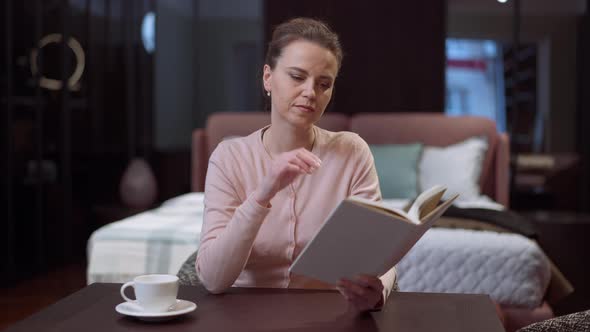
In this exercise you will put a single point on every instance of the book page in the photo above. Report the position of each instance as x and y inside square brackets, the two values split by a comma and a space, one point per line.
[379, 206]
[425, 203]
[422, 205]
[433, 215]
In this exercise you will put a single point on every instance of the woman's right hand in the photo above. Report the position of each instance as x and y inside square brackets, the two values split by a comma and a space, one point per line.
[285, 168]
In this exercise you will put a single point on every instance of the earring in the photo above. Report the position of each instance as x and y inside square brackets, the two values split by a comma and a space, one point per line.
[268, 93]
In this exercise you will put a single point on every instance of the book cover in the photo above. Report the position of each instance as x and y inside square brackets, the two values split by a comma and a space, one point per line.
[365, 237]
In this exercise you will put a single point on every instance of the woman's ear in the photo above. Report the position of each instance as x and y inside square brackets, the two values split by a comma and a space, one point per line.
[267, 78]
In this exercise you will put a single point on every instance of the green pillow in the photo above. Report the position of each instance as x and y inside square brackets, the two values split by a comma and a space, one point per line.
[397, 168]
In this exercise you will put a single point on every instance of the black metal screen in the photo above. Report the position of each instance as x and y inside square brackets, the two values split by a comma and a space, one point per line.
[75, 89]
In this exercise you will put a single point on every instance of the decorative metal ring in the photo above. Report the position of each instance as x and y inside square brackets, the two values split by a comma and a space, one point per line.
[53, 84]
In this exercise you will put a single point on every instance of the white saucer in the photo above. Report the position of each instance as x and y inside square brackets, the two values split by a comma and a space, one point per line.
[181, 307]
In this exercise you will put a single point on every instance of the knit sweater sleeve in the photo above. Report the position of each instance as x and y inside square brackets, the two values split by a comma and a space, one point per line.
[364, 182]
[230, 224]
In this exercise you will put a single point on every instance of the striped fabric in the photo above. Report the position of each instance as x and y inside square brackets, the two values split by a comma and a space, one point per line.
[155, 241]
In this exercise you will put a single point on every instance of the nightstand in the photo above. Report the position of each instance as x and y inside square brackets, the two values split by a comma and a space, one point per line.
[565, 238]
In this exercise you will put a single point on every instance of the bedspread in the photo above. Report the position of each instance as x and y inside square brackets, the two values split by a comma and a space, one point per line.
[509, 267]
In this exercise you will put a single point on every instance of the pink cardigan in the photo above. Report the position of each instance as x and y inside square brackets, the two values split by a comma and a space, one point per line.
[244, 244]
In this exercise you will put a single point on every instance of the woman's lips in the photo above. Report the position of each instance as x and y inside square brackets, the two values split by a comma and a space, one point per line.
[305, 108]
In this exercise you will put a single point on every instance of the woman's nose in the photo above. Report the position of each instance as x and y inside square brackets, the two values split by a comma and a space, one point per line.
[309, 89]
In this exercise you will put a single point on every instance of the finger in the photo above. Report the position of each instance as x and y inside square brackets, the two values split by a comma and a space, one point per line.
[357, 302]
[370, 281]
[305, 162]
[356, 288]
[344, 289]
[370, 296]
[309, 158]
[344, 292]
[292, 168]
[301, 164]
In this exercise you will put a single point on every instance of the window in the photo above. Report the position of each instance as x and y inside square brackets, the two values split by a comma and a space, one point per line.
[475, 80]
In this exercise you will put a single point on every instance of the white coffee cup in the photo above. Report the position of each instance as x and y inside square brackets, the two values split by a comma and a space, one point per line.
[154, 292]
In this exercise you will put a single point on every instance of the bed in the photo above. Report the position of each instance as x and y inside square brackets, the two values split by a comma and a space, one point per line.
[468, 255]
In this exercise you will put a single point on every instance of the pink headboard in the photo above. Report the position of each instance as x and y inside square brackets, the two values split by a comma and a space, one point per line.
[437, 129]
[376, 128]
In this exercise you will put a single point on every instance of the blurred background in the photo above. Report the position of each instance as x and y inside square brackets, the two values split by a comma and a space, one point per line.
[92, 90]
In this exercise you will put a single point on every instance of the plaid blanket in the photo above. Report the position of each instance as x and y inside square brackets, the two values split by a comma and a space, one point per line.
[155, 241]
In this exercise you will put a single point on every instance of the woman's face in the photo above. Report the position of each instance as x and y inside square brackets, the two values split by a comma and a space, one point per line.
[301, 83]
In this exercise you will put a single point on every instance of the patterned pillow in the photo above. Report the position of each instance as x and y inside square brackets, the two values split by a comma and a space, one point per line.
[187, 275]
[576, 322]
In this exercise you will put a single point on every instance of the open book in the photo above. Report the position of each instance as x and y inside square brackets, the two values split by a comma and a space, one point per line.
[366, 237]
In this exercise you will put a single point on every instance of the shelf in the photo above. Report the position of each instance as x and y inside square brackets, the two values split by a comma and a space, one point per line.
[24, 101]
[527, 75]
[521, 97]
[33, 101]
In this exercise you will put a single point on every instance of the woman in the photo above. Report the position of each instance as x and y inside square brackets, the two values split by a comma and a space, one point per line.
[267, 194]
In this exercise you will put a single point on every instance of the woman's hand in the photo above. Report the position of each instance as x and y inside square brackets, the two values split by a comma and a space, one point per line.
[363, 294]
[285, 168]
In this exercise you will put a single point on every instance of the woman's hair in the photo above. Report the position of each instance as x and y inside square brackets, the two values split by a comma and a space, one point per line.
[308, 29]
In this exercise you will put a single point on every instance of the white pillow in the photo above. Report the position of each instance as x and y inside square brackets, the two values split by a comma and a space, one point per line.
[457, 167]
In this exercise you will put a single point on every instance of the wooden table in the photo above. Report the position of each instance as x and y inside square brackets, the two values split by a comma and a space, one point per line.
[241, 309]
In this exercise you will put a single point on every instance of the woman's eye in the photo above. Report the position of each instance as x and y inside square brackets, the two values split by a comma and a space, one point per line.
[326, 86]
[297, 78]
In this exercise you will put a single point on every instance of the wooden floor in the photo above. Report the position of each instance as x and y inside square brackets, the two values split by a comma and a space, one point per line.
[30, 296]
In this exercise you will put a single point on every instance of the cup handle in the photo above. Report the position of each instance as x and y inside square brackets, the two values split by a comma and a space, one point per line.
[127, 284]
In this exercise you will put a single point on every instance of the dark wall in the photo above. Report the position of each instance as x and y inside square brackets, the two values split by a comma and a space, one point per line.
[583, 110]
[394, 51]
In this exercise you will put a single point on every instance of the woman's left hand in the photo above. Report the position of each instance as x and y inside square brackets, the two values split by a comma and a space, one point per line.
[363, 293]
